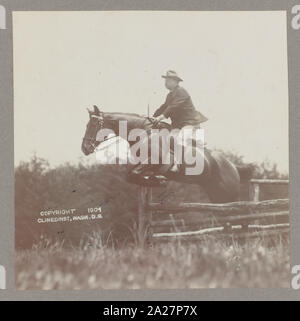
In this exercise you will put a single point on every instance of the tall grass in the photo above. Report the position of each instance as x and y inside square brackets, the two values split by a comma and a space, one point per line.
[174, 265]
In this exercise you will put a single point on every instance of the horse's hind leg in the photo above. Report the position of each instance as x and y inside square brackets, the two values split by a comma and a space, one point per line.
[219, 193]
[224, 186]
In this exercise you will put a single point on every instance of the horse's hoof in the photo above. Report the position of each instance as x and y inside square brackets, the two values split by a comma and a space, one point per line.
[158, 181]
[149, 181]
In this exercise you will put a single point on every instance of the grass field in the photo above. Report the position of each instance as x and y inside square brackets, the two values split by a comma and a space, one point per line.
[175, 265]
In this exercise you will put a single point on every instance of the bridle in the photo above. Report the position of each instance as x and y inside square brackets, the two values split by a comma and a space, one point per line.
[99, 125]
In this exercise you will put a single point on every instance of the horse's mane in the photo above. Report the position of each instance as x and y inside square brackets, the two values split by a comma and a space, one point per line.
[162, 124]
[126, 114]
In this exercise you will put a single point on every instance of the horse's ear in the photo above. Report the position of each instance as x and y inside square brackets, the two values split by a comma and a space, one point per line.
[89, 111]
[96, 110]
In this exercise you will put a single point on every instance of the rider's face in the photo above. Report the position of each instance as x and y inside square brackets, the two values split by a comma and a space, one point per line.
[171, 83]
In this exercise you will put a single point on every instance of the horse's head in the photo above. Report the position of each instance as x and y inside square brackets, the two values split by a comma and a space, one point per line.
[111, 122]
[96, 121]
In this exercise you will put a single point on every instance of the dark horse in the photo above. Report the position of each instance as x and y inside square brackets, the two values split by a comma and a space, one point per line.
[220, 177]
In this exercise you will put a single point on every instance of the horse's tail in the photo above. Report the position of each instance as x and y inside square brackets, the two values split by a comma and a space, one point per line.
[245, 171]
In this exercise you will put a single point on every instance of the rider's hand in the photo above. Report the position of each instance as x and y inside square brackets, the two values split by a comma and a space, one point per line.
[158, 119]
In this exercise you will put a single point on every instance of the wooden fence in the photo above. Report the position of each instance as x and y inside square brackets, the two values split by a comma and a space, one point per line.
[238, 220]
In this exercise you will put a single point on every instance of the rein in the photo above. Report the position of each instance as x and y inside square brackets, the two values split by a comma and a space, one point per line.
[100, 122]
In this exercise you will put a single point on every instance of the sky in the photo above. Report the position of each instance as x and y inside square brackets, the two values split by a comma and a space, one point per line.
[234, 66]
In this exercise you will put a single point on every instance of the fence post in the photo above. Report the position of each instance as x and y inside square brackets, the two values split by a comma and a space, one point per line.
[142, 216]
[256, 192]
[149, 215]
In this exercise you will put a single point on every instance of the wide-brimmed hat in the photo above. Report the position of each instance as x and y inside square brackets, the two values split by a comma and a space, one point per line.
[172, 74]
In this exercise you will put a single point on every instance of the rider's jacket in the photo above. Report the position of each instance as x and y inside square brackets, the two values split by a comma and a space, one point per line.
[180, 108]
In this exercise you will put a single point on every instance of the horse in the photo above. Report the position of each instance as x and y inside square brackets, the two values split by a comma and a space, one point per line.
[220, 178]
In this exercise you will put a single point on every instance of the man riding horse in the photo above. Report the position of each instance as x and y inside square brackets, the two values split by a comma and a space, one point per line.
[220, 177]
[180, 109]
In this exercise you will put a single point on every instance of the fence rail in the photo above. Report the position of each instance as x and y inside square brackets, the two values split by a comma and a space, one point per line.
[237, 219]
[256, 183]
[226, 208]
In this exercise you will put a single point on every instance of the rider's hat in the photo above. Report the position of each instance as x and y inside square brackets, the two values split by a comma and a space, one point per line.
[172, 74]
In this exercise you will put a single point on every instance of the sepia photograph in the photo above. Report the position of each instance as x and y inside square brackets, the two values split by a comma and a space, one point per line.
[151, 150]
